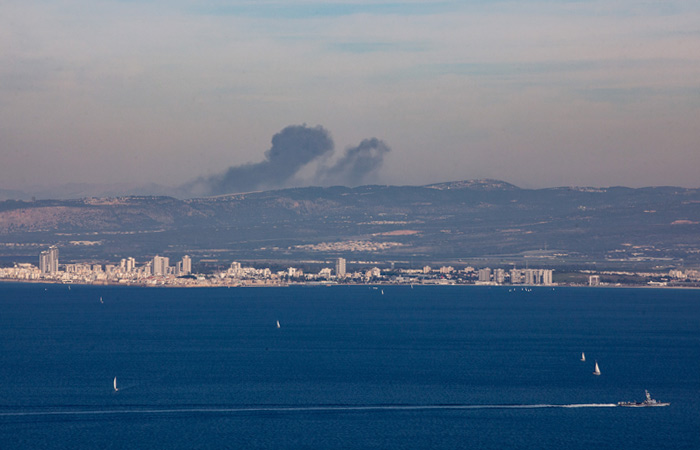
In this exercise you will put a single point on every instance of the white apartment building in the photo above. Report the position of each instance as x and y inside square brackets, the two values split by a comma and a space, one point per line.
[160, 265]
[485, 275]
[48, 260]
[340, 268]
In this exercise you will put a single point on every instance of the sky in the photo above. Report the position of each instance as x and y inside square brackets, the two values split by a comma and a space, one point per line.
[537, 93]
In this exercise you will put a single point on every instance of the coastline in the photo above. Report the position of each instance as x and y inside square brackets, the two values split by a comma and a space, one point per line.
[335, 284]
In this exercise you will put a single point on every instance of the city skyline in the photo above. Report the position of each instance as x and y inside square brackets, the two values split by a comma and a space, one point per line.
[539, 94]
[157, 271]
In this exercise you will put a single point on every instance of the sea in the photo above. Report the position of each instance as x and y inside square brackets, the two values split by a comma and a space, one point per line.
[349, 367]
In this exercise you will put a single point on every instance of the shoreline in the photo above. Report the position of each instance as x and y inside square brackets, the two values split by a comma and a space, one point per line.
[333, 284]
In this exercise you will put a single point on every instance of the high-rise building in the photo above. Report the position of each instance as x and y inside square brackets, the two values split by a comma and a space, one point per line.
[186, 268]
[499, 276]
[235, 270]
[485, 275]
[547, 277]
[340, 268]
[516, 276]
[48, 260]
[53, 259]
[538, 276]
[532, 276]
[160, 265]
[44, 261]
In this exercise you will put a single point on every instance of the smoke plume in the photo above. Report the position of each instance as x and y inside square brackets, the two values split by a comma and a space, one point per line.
[357, 165]
[292, 149]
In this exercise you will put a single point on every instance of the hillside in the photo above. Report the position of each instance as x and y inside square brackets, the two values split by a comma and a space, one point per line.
[441, 222]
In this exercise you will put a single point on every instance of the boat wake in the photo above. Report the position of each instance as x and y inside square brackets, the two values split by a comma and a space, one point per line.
[590, 405]
[293, 409]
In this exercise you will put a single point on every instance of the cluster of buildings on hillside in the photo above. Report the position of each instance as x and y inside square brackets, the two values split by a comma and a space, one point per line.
[515, 276]
[484, 276]
[158, 271]
[294, 274]
[693, 275]
[127, 269]
[674, 277]
[125, 272]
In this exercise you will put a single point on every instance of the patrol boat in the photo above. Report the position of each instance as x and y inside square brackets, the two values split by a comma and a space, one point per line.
[648, 402]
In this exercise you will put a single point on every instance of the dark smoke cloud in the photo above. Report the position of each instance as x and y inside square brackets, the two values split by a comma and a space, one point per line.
[292, 149]
[358, 164]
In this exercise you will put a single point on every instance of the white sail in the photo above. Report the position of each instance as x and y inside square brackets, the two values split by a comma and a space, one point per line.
[597, 369]
[278, 324]
[115, 384]
[583, 356]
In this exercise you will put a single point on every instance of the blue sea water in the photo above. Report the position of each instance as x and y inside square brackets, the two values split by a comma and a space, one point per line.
[349, 368]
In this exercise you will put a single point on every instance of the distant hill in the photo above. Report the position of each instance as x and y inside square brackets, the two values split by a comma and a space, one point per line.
[81, 190]
[457, 221]
[484, 185]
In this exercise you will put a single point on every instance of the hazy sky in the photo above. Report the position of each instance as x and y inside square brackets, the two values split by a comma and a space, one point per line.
[537, 93]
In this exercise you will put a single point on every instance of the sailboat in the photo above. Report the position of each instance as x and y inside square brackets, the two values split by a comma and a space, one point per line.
[101, 300]
[115, 384]
[278, 324]
[583, 356]
[597, 369]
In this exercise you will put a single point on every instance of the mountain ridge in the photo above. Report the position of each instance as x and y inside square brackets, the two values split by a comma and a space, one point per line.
[443, 221]
[72, 191]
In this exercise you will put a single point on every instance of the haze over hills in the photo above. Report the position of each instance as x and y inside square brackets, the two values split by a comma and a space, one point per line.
[298, 156]
[458, 221]
[82, 190]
